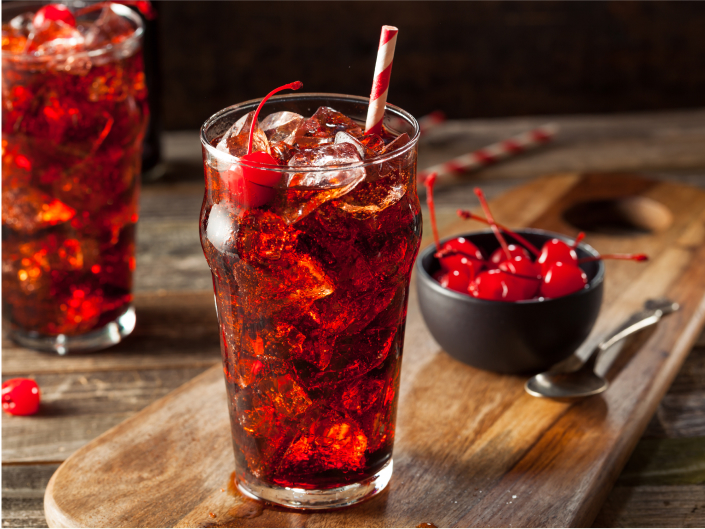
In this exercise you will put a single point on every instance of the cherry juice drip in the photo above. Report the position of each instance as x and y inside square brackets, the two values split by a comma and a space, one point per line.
[312, 316]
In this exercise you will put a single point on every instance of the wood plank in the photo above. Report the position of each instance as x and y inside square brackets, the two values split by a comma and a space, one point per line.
[467, 440]
[173, 329]
[23, 489]
[654, 506]
[77, 407]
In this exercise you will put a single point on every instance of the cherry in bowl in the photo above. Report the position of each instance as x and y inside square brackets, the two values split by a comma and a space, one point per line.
[509, 337]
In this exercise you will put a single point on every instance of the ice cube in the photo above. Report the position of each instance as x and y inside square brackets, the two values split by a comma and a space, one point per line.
[368, 146]
[335, 441]
[221, 228]
[344, 137]
[236, 139]
[333, 156]
[281, 126]
[386, 184]
[27, 210]
[263, 236]
[55, 38]
[287, 396]
[15, 33]
[282, 152]
[306, 191]
[285, 287]
[323, 126]
[360, 395]
[109, 28]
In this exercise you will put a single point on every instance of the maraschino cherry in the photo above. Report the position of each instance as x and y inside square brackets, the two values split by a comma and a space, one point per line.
[55, 12]
[555, 251]
[20, 396]
[469, 215]
[249, 186]
[500, 284]
[458, 280]
[562, 279]
[456, 254]
[510, 274]
[527, 274]
[499, 256]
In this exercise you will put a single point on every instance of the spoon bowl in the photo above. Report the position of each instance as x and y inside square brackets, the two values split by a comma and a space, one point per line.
[580, 380]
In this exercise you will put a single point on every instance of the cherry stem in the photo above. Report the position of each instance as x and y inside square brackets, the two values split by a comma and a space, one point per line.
[577, 240]
[445, 252]
[429, 183]
[493, 224]
[467, 215]
[617, 256]
[291, 86]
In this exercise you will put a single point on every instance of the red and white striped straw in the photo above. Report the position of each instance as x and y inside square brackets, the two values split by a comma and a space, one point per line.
[492, 153]
[380, 84]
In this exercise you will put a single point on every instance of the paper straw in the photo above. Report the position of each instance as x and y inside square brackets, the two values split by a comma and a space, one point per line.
[448, 171]
[380, 84]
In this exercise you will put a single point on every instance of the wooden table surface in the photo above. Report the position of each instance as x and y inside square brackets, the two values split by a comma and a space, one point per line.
[663, 484]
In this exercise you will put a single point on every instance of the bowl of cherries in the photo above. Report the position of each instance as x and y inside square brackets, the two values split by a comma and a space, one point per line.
[510, 301]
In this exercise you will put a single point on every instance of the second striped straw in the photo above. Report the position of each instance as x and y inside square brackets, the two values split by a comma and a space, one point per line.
[450, 170]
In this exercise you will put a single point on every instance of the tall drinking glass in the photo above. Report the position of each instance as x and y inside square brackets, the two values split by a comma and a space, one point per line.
[311, 280]
[73, 118]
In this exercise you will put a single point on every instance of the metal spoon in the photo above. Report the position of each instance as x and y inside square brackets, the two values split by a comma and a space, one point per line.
[579, 379]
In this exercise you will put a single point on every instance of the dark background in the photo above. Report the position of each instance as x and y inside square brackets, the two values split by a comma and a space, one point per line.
[469, 59]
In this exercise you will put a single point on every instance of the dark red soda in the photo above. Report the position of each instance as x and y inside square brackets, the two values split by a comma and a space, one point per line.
[73, 118]
[311, 291]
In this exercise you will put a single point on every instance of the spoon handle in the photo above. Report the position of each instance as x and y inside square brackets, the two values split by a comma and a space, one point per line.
[636, 322]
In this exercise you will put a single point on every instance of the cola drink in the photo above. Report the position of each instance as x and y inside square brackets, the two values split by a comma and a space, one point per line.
[74, 113]
[311, 260]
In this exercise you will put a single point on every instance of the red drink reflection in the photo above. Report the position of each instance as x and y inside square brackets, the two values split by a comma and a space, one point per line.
[311, 291]
[74, 115]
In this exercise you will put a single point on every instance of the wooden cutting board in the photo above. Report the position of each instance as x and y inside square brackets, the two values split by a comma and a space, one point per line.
[472, 448]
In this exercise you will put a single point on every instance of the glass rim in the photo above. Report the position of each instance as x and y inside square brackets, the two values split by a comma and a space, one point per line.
[118, 9]
[226, 157]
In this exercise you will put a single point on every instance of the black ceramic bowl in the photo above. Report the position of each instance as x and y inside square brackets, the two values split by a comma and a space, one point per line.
[509, 337]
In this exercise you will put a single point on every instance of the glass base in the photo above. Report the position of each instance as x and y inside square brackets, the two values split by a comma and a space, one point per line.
[321, 498]
[106, 336]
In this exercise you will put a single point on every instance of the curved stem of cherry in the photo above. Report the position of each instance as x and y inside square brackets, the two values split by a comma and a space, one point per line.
[291, 86]
[493, 224]
[468, 215]
[429, 183]
[616, 256]
[577, 240]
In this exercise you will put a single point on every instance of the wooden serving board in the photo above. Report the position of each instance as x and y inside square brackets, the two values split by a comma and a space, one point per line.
[472, 448]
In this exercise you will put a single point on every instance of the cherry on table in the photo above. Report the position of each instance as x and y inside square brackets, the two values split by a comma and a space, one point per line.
[20, 396]
[562, 279]
[56, 12]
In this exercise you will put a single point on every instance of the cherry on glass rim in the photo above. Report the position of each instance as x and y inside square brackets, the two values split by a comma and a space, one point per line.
[20, 396]
[55, 12]
[252, 187]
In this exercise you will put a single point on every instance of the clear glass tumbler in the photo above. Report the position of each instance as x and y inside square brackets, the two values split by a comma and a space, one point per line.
[74, 113]
[311, 286]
